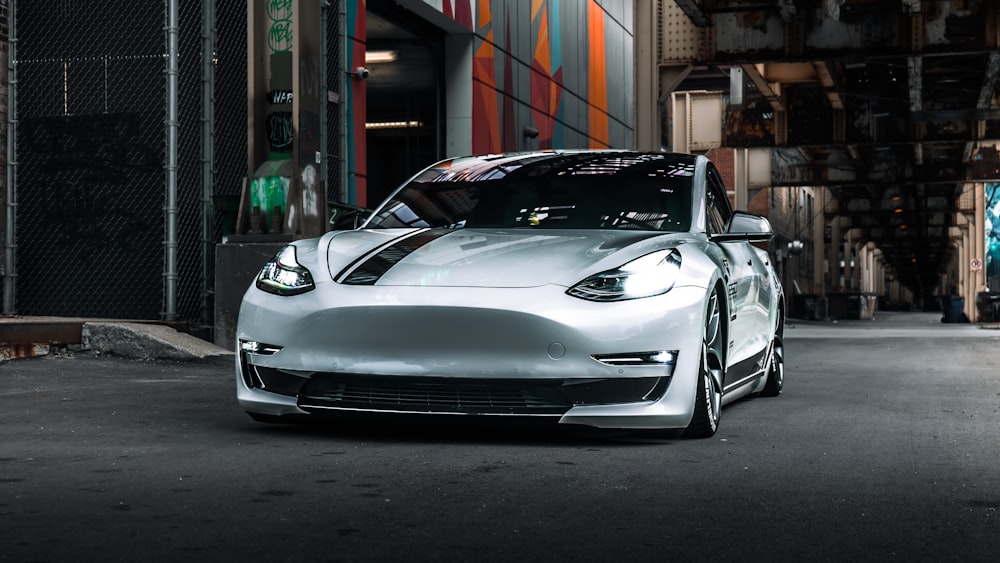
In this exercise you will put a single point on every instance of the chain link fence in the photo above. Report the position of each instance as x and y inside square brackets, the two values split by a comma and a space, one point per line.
[335, 152]
[230, 110]
[91, 149]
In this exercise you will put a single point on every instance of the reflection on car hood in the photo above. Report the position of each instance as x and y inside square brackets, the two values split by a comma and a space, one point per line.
[472, 257]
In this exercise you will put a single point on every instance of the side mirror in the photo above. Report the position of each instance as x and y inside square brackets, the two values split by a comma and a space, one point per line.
[344, 216]
[746, 227]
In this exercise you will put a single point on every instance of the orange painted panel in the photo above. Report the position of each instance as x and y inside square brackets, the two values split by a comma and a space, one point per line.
[597, 91]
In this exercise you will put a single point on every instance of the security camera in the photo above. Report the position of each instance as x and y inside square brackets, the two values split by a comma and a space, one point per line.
[361, 73]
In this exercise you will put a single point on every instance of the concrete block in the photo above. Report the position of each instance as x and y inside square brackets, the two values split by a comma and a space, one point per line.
[146, 342]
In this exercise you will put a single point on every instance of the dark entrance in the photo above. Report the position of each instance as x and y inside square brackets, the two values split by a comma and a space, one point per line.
[405, 96]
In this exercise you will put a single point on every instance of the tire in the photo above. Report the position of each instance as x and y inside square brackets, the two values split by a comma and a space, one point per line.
[708, 397]
[776, 374]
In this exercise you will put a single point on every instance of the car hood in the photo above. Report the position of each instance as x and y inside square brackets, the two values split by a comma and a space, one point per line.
[482, 258]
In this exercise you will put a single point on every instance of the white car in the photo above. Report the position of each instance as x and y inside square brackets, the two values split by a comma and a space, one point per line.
[615, 289]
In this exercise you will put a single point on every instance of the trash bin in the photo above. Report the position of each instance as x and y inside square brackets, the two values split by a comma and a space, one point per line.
[988, 306]
[836, 305]
[852, 305]
[953, 308]
[804, 307]
[862, 306]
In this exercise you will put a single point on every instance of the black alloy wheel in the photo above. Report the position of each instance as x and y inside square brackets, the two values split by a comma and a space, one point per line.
[776, 373]
[708, 397]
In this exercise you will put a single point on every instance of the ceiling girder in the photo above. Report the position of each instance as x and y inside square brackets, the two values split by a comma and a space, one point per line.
[692, 8]
[991, 81]
[864, 97]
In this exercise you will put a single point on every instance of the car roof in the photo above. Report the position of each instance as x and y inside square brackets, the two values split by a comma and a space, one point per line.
[555, 162]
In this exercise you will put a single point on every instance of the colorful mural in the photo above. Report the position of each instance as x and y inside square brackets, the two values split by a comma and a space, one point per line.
[499, 76]
[561, 67]
[546, 78]
[598, 84]
[459, 10]
[993, 235]
[485, 94]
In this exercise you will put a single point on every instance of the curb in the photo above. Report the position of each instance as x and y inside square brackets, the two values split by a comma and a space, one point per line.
[142, 341]
[146, 342]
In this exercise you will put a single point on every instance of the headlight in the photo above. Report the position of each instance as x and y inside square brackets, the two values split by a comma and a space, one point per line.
[282, 275]
[652, 274]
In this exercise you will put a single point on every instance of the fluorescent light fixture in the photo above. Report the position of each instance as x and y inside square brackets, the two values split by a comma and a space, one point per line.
[380, 57]
[393, 124]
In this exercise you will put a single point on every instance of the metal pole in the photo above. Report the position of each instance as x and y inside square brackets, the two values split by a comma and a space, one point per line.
[343, 194]
[324, 133]
[10, 238]
[170, 244]
[207, 160]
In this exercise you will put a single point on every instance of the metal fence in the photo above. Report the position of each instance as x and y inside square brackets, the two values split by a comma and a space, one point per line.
[91, 152]
[90, 147]
[335, 166]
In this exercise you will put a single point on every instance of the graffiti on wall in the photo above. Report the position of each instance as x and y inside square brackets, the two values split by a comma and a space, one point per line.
[279, 32]
[279, 131]
[573, 102]
[279, 43]
[89, 165]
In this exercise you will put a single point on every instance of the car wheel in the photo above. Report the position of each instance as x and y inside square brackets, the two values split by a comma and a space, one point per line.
[776, 375]
[708, 397]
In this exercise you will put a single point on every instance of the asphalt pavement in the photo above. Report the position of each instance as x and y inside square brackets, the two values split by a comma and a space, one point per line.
[883, 447]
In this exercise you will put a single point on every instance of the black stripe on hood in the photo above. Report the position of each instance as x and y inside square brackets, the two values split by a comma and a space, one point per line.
[371, 270]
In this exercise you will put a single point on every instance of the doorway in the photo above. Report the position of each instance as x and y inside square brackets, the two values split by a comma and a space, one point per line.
[404, 96]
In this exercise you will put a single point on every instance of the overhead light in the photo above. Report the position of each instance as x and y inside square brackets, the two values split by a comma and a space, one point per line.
[380, 57]
[393, 124]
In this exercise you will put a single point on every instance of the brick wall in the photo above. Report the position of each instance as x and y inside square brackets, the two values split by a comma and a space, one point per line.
[725, 161]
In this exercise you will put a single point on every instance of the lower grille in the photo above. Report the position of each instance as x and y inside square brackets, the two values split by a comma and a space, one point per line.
[270, 379]
[433, 395]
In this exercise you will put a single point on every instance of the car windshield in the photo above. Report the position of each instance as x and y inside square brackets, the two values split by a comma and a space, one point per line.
[651, 195]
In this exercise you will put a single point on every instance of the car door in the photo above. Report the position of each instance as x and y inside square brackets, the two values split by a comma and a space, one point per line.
[765, 297]
[742, 281]
[764, 288]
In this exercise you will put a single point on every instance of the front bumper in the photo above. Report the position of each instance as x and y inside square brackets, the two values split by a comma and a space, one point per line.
[525, 351]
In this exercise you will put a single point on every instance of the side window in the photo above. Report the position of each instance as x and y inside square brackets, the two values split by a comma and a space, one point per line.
[719, 211]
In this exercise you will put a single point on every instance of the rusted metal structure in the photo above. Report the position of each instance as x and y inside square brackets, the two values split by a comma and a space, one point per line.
[894, 106]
